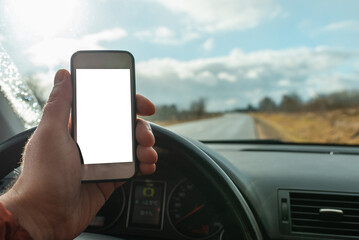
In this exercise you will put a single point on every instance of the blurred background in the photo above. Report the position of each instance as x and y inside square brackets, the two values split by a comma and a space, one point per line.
[287, 70]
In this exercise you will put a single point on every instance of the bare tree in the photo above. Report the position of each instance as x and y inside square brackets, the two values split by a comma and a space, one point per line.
[198, 108]
[290, 103]
[267, 105]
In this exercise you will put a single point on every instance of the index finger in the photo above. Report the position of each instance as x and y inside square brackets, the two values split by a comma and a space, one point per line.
[144, 107]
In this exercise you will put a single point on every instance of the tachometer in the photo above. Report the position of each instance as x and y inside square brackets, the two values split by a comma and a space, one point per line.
[191, 214]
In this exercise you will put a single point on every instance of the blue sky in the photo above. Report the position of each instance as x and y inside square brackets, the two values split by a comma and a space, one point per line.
[232, 52]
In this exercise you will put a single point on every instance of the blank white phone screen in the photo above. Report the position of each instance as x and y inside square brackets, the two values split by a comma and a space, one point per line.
[103, 102]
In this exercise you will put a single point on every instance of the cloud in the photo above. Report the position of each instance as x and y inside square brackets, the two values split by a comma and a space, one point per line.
[57, 51]
[350, 25]
[231, 102]
[247, 77]
[164, 35]
[208, 44]
[223, 15]
[194, 19]
[106, 35]
[226, 76]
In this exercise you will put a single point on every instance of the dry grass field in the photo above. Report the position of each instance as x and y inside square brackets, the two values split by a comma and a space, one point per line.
[337, 126]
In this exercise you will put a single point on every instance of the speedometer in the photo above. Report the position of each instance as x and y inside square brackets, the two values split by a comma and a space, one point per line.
[191, 214]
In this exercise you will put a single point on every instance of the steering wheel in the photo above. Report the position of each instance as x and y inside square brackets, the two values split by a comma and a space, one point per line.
[204, 172]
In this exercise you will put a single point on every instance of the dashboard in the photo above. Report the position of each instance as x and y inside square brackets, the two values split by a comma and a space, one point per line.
[165, 204]
[296, 191]
[231, 190]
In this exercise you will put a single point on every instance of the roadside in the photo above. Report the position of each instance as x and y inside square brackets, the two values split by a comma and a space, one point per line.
[339, 126]
[264, 130]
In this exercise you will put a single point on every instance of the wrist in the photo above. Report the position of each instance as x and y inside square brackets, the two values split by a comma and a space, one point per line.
[24, 215]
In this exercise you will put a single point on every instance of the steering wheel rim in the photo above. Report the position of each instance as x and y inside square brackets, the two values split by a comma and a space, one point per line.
[215, 177]
[11, 153]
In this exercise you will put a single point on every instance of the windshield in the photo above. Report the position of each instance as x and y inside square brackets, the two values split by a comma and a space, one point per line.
[216, 70]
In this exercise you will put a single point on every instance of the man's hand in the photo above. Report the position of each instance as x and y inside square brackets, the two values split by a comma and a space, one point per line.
[48, 199]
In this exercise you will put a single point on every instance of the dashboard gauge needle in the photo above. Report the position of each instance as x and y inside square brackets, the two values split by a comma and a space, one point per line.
[190, 213]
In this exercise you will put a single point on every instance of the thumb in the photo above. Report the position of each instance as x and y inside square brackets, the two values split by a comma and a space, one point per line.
[57, 109]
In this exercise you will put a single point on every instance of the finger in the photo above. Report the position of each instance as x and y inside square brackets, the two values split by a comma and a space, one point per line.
[144, 135]
[147, 169]
[57, 109]
[144, 107]
[146, 154]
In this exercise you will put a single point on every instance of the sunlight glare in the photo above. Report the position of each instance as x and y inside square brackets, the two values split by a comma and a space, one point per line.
[42, 18]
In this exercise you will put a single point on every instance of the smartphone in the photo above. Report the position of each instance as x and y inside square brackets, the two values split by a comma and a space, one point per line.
[103, 114]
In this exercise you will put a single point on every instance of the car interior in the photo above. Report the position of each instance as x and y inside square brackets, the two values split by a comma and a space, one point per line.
[256, 124]
[216, 190]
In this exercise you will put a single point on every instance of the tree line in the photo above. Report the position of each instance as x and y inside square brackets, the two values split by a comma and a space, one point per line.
[293, 103]
[170, 113]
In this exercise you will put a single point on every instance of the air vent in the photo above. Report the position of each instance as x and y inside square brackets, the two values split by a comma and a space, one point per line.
[329, 214]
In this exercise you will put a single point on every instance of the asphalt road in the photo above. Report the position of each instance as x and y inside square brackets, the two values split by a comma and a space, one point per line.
[233, 126]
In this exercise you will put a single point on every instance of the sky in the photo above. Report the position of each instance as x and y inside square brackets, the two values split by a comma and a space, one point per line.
[230, 52]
